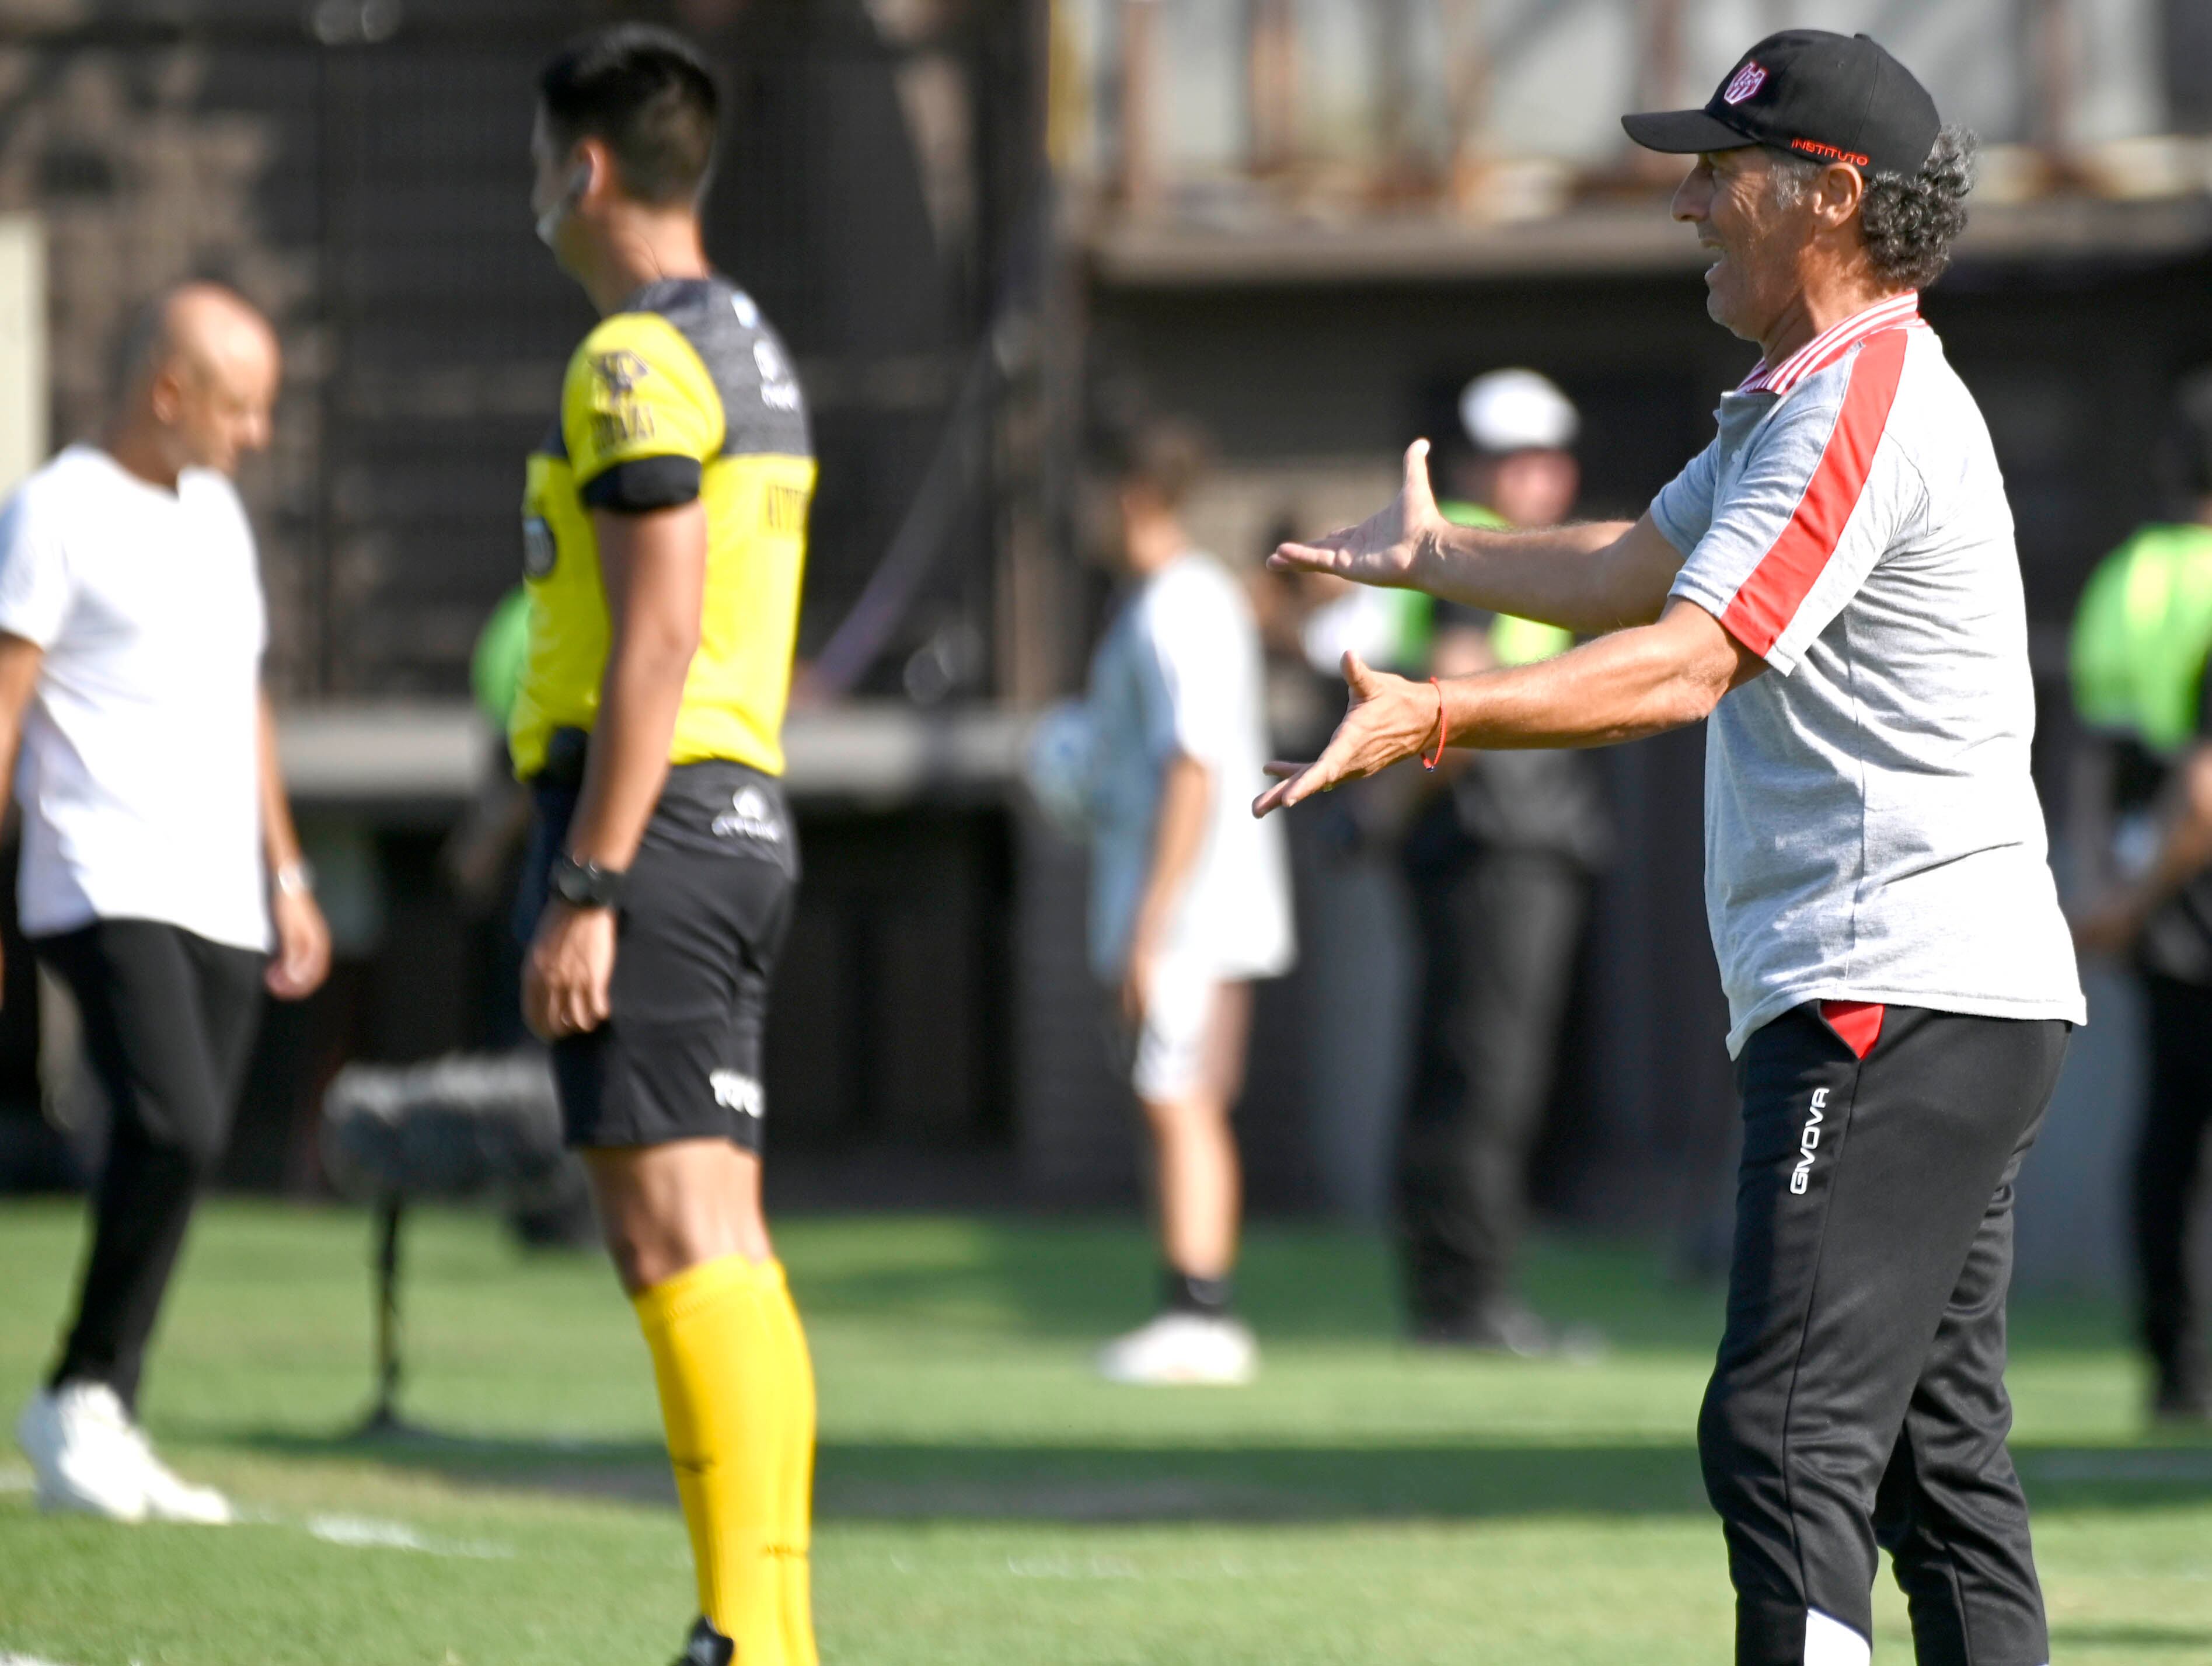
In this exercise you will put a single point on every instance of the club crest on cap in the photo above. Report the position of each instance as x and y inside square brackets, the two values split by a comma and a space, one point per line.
[1746, 81]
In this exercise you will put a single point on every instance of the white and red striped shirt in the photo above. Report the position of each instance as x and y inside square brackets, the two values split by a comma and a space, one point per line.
[1872, 830]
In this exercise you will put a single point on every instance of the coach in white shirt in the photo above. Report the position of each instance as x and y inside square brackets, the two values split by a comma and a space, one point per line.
[158, 849]
[1832, 584]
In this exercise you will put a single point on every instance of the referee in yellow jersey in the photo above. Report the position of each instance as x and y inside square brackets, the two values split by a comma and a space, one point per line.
[664, 534]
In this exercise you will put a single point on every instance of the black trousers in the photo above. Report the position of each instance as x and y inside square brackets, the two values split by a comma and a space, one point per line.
[2169, 1156]
[1859, 1395]
[168, 1021]
[1498, 931]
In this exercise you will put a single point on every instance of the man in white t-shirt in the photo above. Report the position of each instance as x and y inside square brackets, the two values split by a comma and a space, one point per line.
[1189, 896]
[158, 849]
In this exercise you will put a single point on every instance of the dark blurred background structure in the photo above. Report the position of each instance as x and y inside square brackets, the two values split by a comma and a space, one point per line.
[359, 170]
[1304, 222]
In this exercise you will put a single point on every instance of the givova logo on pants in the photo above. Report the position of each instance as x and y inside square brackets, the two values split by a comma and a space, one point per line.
[1801, 1176]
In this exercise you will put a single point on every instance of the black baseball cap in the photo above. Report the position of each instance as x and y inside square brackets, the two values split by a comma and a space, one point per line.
[1831, 97]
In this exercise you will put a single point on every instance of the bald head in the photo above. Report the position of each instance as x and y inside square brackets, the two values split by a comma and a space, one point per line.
[196, 378]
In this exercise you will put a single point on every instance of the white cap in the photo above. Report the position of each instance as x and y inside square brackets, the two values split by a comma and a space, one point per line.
[1517, 410]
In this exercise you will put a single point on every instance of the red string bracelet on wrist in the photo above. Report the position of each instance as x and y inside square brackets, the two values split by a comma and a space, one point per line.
[1428, 762]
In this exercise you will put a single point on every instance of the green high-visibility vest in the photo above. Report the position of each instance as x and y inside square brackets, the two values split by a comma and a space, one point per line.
[2140, 636]
[1512, 642]
[495, 667]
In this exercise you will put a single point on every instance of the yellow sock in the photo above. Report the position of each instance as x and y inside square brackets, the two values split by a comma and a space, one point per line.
[795, 1506]
[720, 1354]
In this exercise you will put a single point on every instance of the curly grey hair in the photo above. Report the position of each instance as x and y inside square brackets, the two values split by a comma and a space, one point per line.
[1908, 225]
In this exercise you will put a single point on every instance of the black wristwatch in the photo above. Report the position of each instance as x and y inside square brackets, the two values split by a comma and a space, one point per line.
[585, 884]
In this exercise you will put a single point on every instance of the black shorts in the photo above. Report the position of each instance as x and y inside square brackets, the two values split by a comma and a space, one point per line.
[707, 905]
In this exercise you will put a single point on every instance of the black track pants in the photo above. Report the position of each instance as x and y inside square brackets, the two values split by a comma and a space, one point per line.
[2168, 1161]
[169, 1020]
[1859, 1395]
[1497, 935]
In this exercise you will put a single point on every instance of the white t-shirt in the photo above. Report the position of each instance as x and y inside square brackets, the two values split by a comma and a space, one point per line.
[1179, 672]
[139, 776]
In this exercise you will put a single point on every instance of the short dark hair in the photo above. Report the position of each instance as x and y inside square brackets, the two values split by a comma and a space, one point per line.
[1166, 457]
[648, 96]
[1908, 226]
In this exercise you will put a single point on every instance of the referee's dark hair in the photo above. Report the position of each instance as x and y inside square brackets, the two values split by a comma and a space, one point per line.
[647, 94]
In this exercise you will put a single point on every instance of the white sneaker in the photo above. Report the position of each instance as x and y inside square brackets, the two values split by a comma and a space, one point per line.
[1180, 1348]
[78, 1439]
[170, 1496]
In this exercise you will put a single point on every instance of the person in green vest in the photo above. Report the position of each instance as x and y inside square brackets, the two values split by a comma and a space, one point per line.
[479, 857]
[2142, 637]
[495, 664]
[1499, 860]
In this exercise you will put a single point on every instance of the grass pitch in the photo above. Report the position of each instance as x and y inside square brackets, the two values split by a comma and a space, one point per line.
[981, 1498]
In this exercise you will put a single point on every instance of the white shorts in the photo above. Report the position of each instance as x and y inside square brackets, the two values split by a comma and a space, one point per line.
[1172, 1051]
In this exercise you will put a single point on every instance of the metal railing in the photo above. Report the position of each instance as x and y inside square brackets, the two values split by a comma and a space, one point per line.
[1505, 109]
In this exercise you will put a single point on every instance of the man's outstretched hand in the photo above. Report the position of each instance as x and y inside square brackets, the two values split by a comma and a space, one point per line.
[1383, 549]
[1389, 719]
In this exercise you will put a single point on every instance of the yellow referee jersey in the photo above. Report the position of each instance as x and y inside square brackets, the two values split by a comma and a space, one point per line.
[685, 393]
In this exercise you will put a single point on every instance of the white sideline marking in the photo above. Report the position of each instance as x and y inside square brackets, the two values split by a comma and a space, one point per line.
[1059, 1567]
[354, 1532]
[23, 1660]
[1100, 1567]
[361, 1533]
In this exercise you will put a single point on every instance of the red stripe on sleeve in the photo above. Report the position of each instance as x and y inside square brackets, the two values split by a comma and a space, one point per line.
[1769, 598]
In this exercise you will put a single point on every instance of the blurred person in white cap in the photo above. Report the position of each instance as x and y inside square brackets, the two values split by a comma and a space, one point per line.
[1499, 857]
[161, 879]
